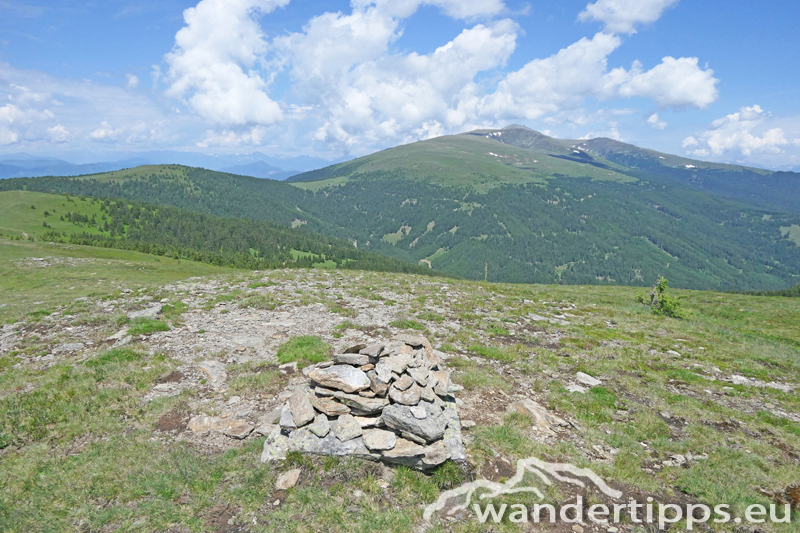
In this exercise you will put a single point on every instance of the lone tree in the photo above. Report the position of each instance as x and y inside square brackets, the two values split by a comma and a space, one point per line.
[661, 303]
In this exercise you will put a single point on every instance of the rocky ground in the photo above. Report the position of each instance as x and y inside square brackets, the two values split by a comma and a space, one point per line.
[651, 404]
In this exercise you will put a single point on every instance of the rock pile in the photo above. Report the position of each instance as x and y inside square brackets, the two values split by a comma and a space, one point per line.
[390, 402]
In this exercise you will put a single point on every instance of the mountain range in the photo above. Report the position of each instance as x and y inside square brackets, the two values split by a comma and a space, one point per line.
[512, 205]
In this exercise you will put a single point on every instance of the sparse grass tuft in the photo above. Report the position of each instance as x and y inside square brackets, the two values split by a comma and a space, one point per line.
[306, 350]
[146, 326]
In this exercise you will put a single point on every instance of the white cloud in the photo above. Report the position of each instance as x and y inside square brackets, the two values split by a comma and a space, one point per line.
[214, 60]
[622, 16]
[654, 121]
[58, 134]
[745, 132]
[566, 79]
[674, 83]
[133, 81]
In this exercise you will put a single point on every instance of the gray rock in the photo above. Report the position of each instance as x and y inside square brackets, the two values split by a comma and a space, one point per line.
[379, 440]
[275, 446]
[435, 454]
[272, 417]
[383, 372]
[151, 313]
[442, 382]
[287, 420]
[427, 394]
[304, 441]
[411, 396]
[376, 385]
[400, 418]
[329, 407]
[404, 382]
[419, 412]
[325, 393]
[420, 375]
[543, 420]
[373, 350]
[321, 426]
[404, 452]
[203, 425]
[368, 421]
[350, 359]
[302, 410]
[453, 440]
[215, 371]
[397, 363]
[346, 428]
[366, 394]
[69, 347]
[588, 380]
[341, 377]
[364, 406]
[355, 349]
[237, 428]
[413, 438]
[288, 368]
[287, 480]
[576, 388]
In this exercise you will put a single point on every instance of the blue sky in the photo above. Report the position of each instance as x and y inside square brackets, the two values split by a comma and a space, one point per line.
[713, 80]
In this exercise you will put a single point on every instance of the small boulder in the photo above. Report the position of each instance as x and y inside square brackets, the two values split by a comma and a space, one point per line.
[347, 428]
[410, 396]
[341, 377]
[287, 480]
[588, 380]
[301, 408]
[321, 426]
[379, 439]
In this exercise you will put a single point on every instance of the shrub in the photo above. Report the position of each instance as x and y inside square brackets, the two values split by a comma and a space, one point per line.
[661, 303]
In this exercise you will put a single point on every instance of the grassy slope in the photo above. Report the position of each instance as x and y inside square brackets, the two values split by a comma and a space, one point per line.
[18, 219]
[91, 468]
[463, 160]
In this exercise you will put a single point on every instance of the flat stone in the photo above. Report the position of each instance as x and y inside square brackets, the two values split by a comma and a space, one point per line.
[287, 420]
[304, 441]
[367, 421]
[287, 480]
[347, 428]
[452, 435]
[376, 384]
[151, 313]
[420, 375]
[118, 335]
[588, 380]
[367, 368]
[203, 425]
[543, 420]
[397, 363]
[373, 350]
[321, 426]
[355, 349]
[302, 410]
[427, 394]
[383, 371]
[419, 412]
[411, 396]
[322, 391]
[404, 452]
[237, 428]
[329, 407]
[275, 446]
[442, 382]
[404, 382]
[400, 418]
[341, 377]
[379, 440]
[288, 368]
[69, 347]
[365, 406]
[435, 454]
[215, 371]
[413, 438]
[354, 359]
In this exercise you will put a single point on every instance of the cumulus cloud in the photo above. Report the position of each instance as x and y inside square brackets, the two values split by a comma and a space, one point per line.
[58, 134]
[654, 121]
[133, 81]
[745, 132]
[565, 79]
[674, 83]
[622, 16]
[214, 60]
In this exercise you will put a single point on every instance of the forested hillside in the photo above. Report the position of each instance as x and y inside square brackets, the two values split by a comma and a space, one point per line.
[178, 233]
[510, 205]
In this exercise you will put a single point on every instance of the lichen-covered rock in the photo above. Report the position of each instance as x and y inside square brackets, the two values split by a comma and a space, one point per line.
[321, 426]
[304, 441]
[329, 406]
[351, 359]
[275, 447]
[346, 428]
[341, 377]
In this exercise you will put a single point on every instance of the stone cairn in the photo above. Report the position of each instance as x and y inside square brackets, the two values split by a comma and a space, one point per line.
[390, 402]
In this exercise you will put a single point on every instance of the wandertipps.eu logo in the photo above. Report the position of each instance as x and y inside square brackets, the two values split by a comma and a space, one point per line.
[533, 476]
